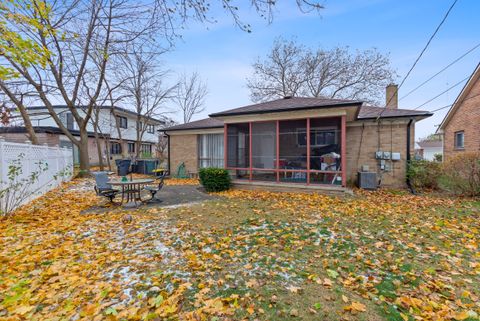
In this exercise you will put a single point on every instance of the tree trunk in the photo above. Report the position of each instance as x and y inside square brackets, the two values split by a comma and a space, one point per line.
[100, 154]
[84, 158]
[107, 151]
[30, 131]
[99, 148]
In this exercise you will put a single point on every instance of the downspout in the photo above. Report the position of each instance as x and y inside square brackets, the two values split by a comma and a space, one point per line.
[409, 183]
[168, 151]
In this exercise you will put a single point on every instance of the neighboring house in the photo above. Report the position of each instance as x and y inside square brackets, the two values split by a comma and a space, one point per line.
[309, 141]
[461, 126]
[49, 133]
[429, 149]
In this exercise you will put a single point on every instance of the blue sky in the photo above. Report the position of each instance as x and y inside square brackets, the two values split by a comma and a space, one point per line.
[222, 54]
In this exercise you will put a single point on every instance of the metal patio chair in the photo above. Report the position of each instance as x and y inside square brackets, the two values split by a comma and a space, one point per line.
[154, 189]
[102, 187]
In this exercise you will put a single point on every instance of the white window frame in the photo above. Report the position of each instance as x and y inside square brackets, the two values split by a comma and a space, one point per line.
[456, 140]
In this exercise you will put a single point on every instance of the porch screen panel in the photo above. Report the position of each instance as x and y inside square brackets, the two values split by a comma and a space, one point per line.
[210, 150]
[325, 151]
[264, 145]
[293, 144]
[238, 146]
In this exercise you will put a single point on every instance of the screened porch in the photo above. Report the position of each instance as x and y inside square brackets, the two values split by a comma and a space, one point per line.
[305, 151]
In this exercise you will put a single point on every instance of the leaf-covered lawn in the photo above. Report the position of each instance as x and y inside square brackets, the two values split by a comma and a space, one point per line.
[244, 256]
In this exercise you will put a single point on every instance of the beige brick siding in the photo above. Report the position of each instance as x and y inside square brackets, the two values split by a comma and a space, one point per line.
[183, 148]
[361, 151]
[466, 118]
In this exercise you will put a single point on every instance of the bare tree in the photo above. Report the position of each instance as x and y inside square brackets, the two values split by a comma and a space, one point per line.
[281, 74]
[143, 83]
[190, 95]
[290, 69]
[14, 96]
[161, 148]
[78, 39]
[81, 37]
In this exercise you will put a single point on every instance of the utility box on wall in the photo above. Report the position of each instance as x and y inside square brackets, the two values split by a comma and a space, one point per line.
[367, 180]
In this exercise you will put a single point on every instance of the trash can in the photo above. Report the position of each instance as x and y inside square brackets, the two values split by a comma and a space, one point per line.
[150, 165]
[123, 166]
[140, 166]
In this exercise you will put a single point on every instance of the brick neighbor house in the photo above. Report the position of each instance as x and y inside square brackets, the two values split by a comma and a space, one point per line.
[300, 142]
[461, 126]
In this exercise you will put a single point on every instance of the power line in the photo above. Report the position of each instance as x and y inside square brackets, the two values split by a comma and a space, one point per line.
[420, 56]
[438, 73]
[450, 105]
[443, 92]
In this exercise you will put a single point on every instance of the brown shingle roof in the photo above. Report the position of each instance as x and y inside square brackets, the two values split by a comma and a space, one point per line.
[288, 104]
[372, 112]
[300, 103]
[198, 124]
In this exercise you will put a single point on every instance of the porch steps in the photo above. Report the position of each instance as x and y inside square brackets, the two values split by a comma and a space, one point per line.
[292, 188]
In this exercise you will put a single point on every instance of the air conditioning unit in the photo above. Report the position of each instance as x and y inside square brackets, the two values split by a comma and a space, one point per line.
[367, 180]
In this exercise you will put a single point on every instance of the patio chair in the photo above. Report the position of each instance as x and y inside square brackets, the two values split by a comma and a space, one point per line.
[102, 187]
[154, 189]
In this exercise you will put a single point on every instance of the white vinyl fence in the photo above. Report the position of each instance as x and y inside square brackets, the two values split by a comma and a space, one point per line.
[28, 171]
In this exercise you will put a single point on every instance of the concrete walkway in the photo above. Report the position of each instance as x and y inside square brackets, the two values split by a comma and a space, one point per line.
[180, 194]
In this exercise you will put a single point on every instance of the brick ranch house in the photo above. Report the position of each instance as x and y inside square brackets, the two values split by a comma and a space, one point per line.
[460, 128]
[301, 142]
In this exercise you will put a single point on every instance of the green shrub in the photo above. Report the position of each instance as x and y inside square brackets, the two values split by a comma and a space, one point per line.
[424, 174]
[215, 179]
[461, 174]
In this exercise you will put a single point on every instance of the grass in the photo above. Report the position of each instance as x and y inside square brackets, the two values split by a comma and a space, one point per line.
[245, 256]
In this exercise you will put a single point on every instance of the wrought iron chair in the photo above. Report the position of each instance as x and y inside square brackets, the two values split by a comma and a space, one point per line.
[154, 189]
[102, 187]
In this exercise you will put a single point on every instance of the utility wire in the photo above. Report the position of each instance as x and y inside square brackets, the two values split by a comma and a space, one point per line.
[443, 92]
[450, 105]
[438, 73]
[420, 56]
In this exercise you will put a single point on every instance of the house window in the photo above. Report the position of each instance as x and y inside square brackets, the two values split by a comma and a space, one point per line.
[151, 129]
[115, 148]
[70, 123]
[318, 137]
[210, 150]
[67, 120]
[459, 139]
[122, 121]
[146, 150]
[131, 148]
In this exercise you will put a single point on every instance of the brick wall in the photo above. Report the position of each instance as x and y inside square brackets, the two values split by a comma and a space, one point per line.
[361, 151]
[466, 118]
[183, 148]
[393, 137]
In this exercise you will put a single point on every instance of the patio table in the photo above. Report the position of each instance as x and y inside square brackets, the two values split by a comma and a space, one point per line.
[131, 188]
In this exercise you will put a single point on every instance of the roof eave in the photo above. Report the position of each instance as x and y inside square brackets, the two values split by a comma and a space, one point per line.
[420, 116]
[182, 129]
[222, 114]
